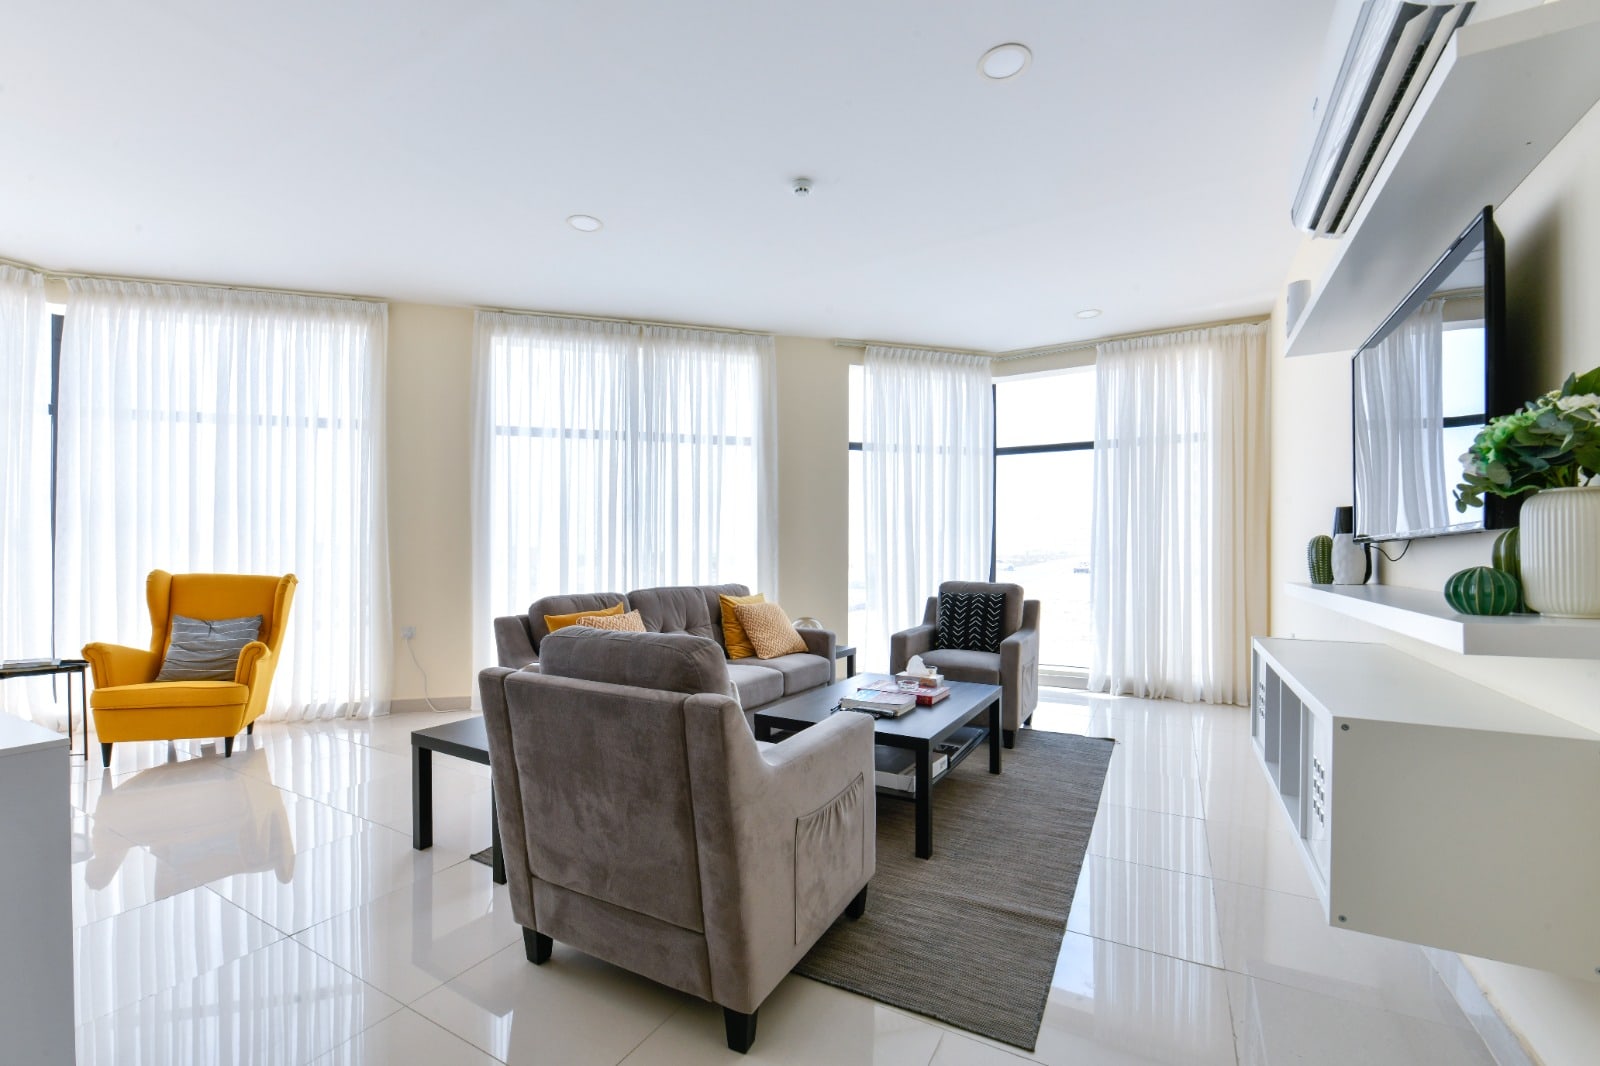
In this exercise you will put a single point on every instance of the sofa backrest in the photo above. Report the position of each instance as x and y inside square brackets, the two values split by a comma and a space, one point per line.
[693, 609]
[567, 604]
[602, 755]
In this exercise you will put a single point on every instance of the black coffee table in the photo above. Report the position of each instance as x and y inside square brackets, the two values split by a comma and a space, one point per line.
[919, 731]
[465, 739]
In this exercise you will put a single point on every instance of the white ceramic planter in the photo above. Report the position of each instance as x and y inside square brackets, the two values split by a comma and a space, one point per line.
[1561, 552]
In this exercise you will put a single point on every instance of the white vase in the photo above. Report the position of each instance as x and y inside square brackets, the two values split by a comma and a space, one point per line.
[1560, 549]
[1351, 563]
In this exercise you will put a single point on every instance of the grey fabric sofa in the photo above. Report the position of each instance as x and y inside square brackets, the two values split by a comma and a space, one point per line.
[693, 609]
[1015, 667]
[642, 825]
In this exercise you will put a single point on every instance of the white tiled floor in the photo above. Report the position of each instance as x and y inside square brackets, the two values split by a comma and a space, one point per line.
[269, 909]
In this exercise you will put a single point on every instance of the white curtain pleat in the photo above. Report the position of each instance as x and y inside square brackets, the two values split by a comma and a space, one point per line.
[611, 456]
[25, 493]
[1180, 514]
[210, 430]
[1399, 438]
[928, 468]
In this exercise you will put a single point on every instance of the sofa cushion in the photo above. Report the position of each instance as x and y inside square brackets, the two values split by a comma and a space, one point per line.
[673, 662]
[676, 609]
[713, 595]
[622, 623]
[970, 621]
[757, 685]
[554, 622]
[979, 666]
[579, 603]
[769, 629]
[800, 671]
[1010, 613]
[201, 650]
[734, 637]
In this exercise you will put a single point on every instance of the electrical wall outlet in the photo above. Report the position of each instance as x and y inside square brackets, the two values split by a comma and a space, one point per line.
[407, 632]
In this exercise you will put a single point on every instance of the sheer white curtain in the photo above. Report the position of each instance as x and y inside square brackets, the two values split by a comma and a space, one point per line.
[213, 430]
[611, 456]
[1399, 434]
[928, 468]
[25, 491]
[1180, 514]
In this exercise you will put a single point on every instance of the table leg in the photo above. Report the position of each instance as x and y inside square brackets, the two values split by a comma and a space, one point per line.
[421, 797]
[499, 864]
[763, 729]
[994, 737]
[924, 800]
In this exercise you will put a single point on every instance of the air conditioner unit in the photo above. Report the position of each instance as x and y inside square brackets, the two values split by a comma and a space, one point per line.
[1380, 55]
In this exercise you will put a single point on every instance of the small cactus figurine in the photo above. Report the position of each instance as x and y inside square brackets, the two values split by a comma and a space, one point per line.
[1482, 590]
[1319, 559]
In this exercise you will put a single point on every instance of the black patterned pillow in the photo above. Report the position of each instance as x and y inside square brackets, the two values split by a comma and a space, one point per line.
[970, 621]
[206, 651]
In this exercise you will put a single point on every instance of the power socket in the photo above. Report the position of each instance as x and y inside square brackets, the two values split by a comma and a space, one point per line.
[407, 632]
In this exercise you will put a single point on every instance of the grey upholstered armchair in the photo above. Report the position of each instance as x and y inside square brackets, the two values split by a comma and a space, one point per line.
[642, 823]
[1013, 663]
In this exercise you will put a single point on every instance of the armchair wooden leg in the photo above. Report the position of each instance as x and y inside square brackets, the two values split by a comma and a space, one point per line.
[227, 747]
[250, 729]
[537, 946]
[105, 755]
[741, 1029]
[858, 906]
[1009, 736]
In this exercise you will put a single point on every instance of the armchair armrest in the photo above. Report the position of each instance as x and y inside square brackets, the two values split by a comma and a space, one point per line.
[254, 657]
[908, 642]
[1019, 669]
[821, 642]
[118, 664]
[513, 640]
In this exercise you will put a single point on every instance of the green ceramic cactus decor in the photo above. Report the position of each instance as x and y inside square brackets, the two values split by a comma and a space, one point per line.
[1319, 559]
[1507, 556]
[1482, 590]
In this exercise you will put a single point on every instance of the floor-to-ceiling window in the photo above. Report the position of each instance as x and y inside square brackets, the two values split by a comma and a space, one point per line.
[1044, 487]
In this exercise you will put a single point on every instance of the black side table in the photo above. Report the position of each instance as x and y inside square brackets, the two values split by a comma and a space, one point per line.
[42, 667]
[847, 652]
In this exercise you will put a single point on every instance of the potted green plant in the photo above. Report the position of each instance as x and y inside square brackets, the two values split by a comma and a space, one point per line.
[1548, 452]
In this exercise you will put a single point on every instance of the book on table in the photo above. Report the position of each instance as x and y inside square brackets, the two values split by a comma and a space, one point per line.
[896, 768]
[880, 702]
[925, 695]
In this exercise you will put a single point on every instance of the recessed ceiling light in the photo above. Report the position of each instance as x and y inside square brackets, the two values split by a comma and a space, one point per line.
[586, 223]
[1089, 312]
[1005, 61]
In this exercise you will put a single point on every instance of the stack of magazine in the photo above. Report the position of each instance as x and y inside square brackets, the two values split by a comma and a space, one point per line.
[897, 767]
[880, 703]
[926, 695]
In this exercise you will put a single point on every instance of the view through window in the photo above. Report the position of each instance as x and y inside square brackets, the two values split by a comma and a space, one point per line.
[1044, 488]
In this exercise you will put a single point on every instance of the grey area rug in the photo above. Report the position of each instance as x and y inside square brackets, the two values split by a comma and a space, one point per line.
[970, 936]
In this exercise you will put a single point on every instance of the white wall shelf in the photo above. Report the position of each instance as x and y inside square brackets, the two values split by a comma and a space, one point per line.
[1431, 809]
[1505, 91]
[1423, 614]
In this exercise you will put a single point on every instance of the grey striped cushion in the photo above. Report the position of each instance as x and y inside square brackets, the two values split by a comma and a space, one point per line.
[206, 651]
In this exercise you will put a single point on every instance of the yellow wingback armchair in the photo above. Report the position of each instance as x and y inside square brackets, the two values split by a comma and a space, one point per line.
[130, 704]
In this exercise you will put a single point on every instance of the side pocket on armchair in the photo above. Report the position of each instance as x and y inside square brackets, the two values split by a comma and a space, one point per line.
[828, 860]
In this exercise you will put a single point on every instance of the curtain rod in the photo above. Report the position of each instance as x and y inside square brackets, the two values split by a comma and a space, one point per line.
[67, 275]
[624, 321]
[1057, 349]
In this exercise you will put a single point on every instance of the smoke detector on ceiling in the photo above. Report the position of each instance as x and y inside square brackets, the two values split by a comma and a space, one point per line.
[800, 186]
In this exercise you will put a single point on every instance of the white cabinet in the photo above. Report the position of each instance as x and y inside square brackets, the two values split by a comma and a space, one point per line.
[36, 1023]
[1431, 809]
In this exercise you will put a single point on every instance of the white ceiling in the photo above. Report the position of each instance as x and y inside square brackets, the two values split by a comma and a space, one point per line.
[432, 152]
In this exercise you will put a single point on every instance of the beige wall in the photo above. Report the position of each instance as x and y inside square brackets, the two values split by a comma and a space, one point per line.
[430, 479]
[1552, 229]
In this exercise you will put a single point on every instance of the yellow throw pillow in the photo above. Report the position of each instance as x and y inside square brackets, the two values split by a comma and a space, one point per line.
[732, 631]
[561, 621]
[632, 622]
[769, 629]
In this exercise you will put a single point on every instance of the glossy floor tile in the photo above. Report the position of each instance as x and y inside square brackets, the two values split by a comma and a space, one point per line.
[270, 908]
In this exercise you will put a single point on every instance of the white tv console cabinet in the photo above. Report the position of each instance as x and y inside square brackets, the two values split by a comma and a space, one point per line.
[1431, 809]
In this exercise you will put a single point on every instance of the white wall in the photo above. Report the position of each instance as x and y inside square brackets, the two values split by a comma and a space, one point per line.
[1552, 228]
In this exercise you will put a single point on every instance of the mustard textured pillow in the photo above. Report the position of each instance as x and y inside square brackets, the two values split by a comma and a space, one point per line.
[739, 646]
[769, 629]
[561, 621]
[632, 622]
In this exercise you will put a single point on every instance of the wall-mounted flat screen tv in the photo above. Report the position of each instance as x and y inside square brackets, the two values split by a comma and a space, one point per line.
[1423, 386]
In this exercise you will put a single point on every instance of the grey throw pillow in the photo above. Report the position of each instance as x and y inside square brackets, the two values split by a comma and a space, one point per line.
[206, 651]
